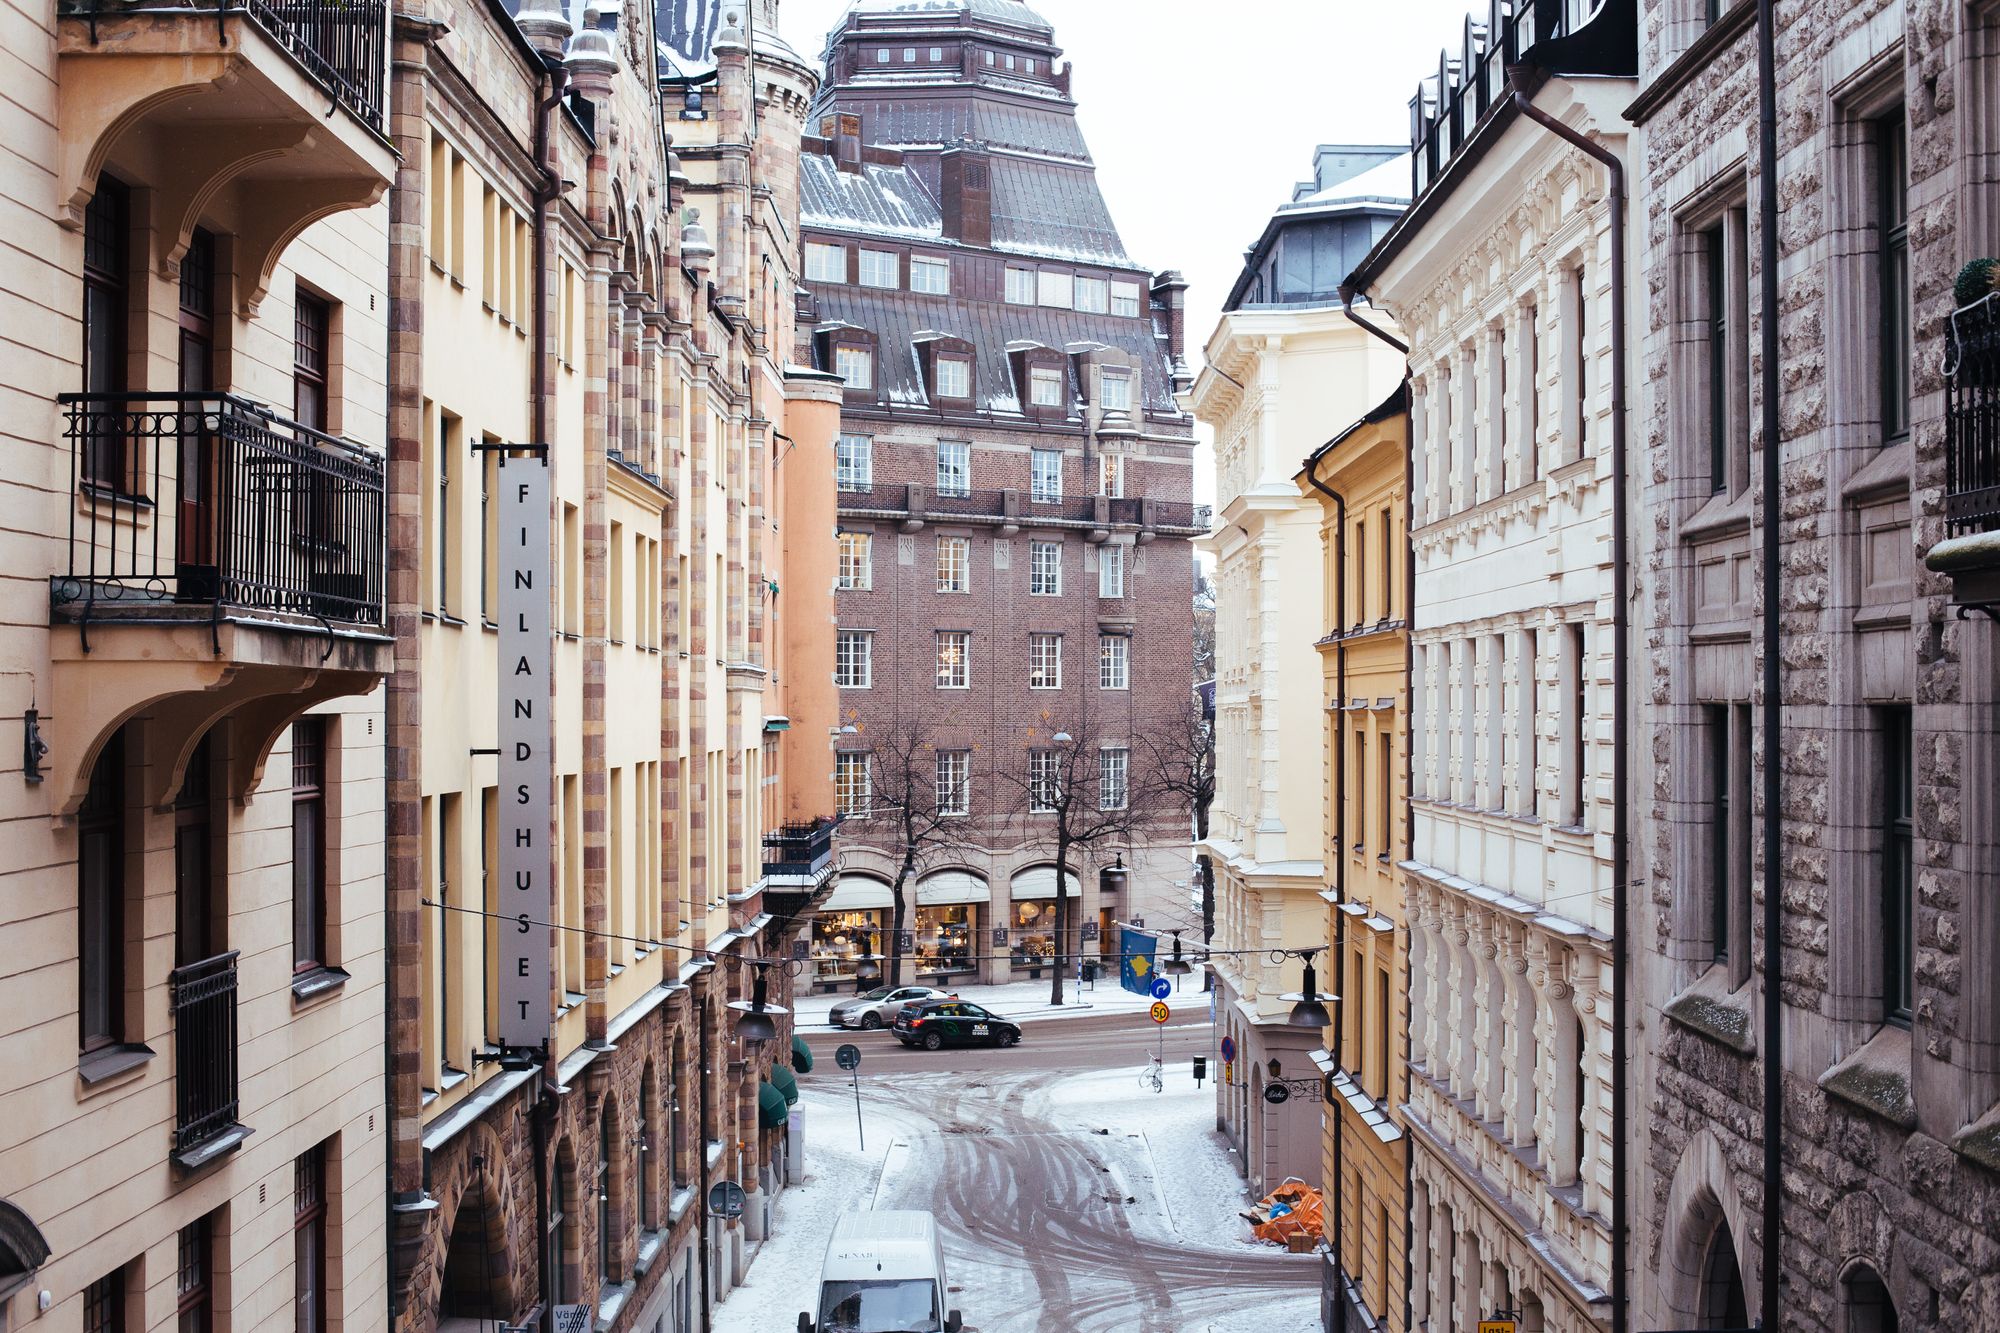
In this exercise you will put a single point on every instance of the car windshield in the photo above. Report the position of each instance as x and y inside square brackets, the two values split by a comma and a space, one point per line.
[908, 1305]
[879, 993]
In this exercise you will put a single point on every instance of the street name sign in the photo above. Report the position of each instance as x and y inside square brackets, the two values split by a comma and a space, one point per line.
[526, 736]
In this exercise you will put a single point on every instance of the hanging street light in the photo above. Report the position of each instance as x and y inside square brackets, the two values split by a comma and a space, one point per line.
[1307, 1011]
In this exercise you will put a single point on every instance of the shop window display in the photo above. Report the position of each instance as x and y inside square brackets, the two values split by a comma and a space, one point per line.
[842, 939]
[945, 938]
[1034, 933]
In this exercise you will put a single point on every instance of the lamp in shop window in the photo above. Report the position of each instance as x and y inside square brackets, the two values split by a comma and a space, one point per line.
[1307, 1011]
[868, 969]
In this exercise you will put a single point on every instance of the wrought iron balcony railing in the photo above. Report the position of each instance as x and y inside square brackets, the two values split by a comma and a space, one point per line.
[1020, 507]
[801, 850]
[343, 44]
[212, 500]
[1972, 419]
[203, 997]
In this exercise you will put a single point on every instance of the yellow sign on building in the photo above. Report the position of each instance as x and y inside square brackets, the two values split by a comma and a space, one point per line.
[1497, 1326]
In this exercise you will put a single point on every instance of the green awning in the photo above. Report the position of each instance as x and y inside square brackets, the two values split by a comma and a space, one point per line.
[802, 1056]
[787, 1086]
[772, 1113]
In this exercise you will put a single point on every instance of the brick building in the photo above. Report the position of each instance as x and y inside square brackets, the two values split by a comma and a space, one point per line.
[566, 274]
[1015, 480]
[1887, 121]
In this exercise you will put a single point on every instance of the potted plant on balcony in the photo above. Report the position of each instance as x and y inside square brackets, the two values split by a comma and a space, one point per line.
[1975, 282]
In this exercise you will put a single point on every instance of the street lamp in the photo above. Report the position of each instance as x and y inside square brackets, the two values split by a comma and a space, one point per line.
[756, 1023]
[1307, 1011]
[1177, 966]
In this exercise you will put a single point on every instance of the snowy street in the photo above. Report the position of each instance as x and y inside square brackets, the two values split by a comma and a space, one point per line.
[1072, 1196]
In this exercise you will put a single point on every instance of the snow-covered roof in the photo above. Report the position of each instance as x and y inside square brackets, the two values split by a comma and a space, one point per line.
[1387, 182]
[998, 11]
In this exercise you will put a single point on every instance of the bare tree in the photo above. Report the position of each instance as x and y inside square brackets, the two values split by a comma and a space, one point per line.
[1177, 770]
[1071, 798]
[1204, 625]
[922, 814]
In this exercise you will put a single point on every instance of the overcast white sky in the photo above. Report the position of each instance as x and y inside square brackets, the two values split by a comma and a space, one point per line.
[1202, 114]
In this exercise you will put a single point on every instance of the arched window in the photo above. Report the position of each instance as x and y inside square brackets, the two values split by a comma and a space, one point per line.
[670, 1101]
[651, 1150]
[607, 1138]
[1722, 1300]
[1869, 1309]
[562, 1229]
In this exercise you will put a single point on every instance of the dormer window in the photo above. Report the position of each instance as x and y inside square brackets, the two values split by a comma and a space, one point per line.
[1030, 67]
[954, 377]
[1125, 298]
[1093, 295]
[881, 268]
[990, 59]
[937, 54]
[825, 263]
[856, 365]
[1010, 62]
[930, 276]
[1056, 290]
[1020, 286]
[1115, 389]
[909, 55]
[882, 56]
[1045, 386]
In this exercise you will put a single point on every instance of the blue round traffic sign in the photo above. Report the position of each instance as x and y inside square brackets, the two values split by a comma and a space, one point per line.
[1229, 1048]
[1162, 988]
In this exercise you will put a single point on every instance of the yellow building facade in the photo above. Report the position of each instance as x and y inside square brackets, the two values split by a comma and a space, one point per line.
[1358, 480]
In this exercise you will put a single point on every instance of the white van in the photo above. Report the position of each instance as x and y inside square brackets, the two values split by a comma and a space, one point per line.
[884, 1273]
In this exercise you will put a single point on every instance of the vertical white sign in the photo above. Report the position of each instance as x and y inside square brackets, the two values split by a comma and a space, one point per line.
[527, 798]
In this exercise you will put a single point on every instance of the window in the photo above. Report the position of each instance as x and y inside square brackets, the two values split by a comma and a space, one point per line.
[954, 781]
[1115, 388]
[882, 55]
[1020, 281]
[825, 263]
[856, 365]
[1898, 867]
[854, 462]
[853, 787]
[196, 872]
[1045, 386]
[1010, 61]
[854, 659]
[1580, 349]
[309, 1241]
[107, 296]
[1055, 289]
[1720, 801]
[607, 1274]
[1111, 570]
[104, 1304]
[1114, 662]
[1044, 569]
[1125, 298]
[954, 654]
[1892, 191]
[1044, 783]
[1574, 725]
[1715, 252]
[954, 467]
[1045, 661]
[309, 844]
[989, 58]
[857, 562]
[1113, 769]
[954, 559]
[194, 1278]
[197, 313]
[1045, 483]
[881, 268]
[909, 55]
[954, 377]
[930, 276]
[312, 329]
[100, 889]
[1029, 65]
[1093, 295]
[1111, 475]
[937, 53]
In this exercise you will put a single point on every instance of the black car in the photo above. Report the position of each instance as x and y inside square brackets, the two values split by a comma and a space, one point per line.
[943, 1023]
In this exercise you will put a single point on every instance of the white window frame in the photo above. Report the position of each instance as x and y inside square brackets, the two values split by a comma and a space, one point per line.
[1127, 298]
[935, 279]
[855, 366]
[954, 377]
[991, 59]
[1049, 379]
[937, 53]
[1045, 571]
[1055, 289]
[1045, 661]
[874, 274]
[954, 783]
[1111, 475]
[883, 55]
[1111, 571]
[1020, 286]
[1043, 778]
[854, 783]
[954, 570]
[1093, 295]
[1120, 398]
[1114, 662]
[954, 674]
[857, 562]
[826, 262]
[954, 457]
[854, 659]
[1045, 481]
[1114, 778]
[854, 462]
[909, 55]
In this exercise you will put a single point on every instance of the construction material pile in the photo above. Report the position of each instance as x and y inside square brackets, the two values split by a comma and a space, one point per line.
[1292, 1215]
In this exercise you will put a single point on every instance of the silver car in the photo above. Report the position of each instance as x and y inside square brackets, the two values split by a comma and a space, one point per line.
[879, 1007]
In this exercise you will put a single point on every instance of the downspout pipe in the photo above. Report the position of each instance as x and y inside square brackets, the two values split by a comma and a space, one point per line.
[1771, 1261]
[1621, 779]
[1311, 468]
[1347, 294]
[705, 1241]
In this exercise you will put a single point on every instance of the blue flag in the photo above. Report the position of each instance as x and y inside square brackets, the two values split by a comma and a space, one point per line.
[1137, 951]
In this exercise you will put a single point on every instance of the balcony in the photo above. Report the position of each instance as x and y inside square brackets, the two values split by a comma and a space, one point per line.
[798, 865]
[222, 561]
[1011, 511]
[1970, 552]
[252, 117]
[203, 1000]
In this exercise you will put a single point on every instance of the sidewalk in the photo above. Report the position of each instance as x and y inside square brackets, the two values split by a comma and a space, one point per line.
[1028, 1001]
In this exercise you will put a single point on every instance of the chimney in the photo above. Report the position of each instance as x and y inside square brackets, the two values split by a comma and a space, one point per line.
[1170, 318]
[845, 131]
[965, 189]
